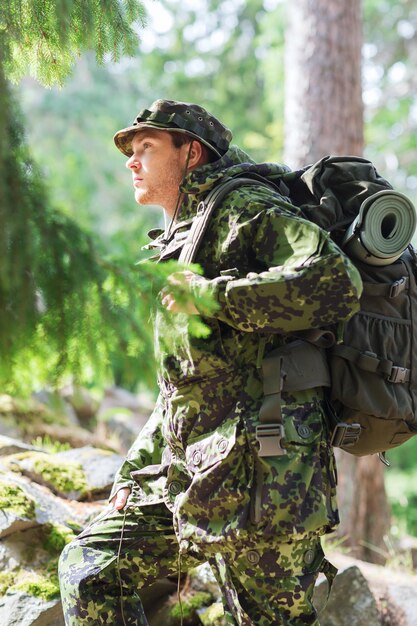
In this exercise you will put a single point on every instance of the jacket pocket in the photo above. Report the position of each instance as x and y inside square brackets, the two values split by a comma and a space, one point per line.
[291, 492]
[149, 483]
[217, 500]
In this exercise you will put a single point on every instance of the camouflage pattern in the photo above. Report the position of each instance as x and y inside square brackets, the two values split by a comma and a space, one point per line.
[180, 117]
[272, 274]
[103, 572]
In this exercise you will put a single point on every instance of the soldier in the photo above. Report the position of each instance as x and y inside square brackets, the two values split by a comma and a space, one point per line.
[197, 484]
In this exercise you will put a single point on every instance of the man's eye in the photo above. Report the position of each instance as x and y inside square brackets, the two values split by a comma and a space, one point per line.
[146, 145]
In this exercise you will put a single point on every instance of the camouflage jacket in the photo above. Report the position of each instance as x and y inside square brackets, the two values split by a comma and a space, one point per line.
[271, 273]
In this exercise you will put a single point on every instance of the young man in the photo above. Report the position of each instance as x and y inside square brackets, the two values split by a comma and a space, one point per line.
[198, 484]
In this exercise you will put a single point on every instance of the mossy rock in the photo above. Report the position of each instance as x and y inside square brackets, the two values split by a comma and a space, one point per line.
[65, 479]
[41, 585]
[185, 612]
[37, 552]
[15, 500]
[213, 615]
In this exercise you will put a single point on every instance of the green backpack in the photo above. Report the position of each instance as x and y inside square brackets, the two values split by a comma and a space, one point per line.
[371, 369]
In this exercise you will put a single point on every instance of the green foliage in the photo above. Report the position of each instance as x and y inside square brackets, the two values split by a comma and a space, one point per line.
[65, 305]
[39, 586]
[44, 38]
[401, 490]
[390, 90]
[50, 445]
[7, 580]
[186, 609]
[57, 537]
[227, 56]
[213, 616]
[15, 500]
[400, 483]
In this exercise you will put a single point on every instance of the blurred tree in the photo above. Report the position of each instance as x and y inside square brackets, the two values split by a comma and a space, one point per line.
[65, 306]
[324, 115]
[390, 89]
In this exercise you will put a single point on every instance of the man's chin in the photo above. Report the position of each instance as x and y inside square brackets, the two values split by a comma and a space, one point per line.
[141, 197]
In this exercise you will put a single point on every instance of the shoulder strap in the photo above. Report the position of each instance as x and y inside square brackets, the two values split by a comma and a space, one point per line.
[206, 209]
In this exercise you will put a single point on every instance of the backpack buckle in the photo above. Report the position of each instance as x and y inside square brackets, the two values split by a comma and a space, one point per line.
[270, 437]
[399, 375]
[398, 287]
[345, 435]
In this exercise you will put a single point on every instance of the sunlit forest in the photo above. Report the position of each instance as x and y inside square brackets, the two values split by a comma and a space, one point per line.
[74, 301]
[229, 57]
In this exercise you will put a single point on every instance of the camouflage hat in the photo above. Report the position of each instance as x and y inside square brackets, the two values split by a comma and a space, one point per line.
[179, 117]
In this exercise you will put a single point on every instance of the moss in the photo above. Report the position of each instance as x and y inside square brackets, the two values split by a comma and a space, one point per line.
[7, 580]
[213, 616]
[50, 445]
[57, 537]
[63, 476]
[189, 605]
[14, 499]
[40, 586]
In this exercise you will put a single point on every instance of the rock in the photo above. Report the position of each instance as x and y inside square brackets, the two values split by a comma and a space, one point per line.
[17, 508]
[79, 474]
[351, 600]
[75, 436]
[31, 505]
[201, 578]
[213, 615]
[124, 427]
[117, 398]
[81, 400]
[99, 466]
[8, 427]
[122, 415]
[11, 523]
[57, 404]
[394, 593]
[8, 445]
[22, 609]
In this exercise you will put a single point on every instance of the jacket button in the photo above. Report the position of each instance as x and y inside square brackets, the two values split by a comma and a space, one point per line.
[222, 445]
[253, 557]
[309, 557]
[175, 487]
[304, 431]
[197, 457]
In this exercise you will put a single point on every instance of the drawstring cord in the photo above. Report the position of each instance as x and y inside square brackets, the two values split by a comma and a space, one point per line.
[118, 567]
[177, 206]
[179, 589]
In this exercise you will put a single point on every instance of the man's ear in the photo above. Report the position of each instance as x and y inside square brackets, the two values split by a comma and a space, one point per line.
[197, 154]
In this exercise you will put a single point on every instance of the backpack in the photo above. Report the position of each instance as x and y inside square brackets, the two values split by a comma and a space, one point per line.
[370, 367]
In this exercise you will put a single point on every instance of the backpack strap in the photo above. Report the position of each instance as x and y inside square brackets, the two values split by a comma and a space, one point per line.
[386, 290]
[370, 362]
[207, 207]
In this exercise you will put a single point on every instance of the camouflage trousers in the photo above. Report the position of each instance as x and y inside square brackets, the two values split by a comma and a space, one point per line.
[122, 552]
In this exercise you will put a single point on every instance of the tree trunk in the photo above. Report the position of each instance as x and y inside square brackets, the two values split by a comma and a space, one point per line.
[323, 95]
[324, 115]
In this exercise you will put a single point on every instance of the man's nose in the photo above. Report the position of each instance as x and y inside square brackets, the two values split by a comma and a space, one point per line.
[133, 163]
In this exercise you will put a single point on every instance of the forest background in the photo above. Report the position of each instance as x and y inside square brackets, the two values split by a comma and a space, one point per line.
[229, 57]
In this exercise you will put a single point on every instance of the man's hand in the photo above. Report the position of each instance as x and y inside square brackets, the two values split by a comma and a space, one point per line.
[181, 280]
[119, 500]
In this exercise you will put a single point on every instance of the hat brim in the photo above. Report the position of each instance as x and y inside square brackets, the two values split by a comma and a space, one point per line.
[123, 138]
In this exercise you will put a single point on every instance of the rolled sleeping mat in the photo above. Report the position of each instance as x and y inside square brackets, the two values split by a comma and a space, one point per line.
[382, 230]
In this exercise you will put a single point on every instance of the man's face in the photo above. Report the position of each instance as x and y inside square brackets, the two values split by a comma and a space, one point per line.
[157, 168]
